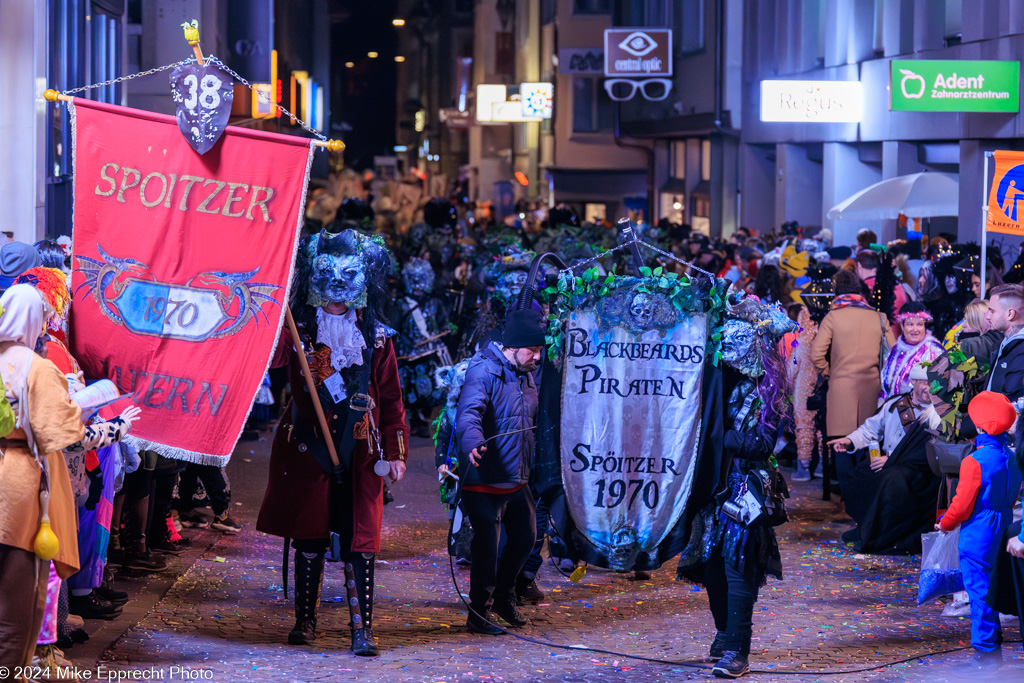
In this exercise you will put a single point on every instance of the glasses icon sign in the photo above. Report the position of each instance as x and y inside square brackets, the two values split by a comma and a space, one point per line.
[652, 89]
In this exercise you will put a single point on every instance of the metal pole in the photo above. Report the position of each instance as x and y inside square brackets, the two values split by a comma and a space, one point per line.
[984, 224]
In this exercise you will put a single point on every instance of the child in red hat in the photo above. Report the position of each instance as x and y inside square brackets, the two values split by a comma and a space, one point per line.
[982, 507]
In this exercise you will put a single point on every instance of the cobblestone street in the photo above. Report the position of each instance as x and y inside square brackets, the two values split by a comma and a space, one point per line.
[225, 617]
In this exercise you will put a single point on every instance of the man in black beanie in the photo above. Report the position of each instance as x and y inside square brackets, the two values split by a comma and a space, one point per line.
[494, 430]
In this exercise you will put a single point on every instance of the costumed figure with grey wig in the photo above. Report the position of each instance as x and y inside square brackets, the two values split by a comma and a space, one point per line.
[732, 548]
[338, 298]
[421, 344]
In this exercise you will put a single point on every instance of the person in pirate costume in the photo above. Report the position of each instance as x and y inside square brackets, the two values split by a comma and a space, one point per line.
[421, 348]
[338, 298]
[729, 557]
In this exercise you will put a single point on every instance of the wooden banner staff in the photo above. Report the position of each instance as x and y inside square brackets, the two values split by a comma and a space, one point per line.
[321, 418]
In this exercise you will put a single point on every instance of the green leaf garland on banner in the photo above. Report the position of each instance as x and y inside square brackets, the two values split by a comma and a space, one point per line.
[684, 293]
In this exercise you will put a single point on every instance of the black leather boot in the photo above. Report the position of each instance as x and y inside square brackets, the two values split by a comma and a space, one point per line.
[359, 583]
[309, 577]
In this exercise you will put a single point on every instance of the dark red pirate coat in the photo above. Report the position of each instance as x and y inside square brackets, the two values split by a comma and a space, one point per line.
[296, 504]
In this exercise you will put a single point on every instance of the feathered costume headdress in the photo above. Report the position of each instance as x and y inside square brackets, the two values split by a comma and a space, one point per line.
[52, 284]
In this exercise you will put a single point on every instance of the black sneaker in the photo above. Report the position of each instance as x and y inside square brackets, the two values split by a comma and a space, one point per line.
[92, 606]
[226, 524]
[193, 520]
[115, 597]
[482, 624]
[145, 562]
[527, 592]
[510, 613]
[732, 665]
[168, 547]
[717, 647]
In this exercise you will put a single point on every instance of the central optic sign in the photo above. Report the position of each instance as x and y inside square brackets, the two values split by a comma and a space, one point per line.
[954, 85]
[638, 52]
[812, 101]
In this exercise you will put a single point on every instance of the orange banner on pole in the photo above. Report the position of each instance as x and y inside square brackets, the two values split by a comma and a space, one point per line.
[1006, 197]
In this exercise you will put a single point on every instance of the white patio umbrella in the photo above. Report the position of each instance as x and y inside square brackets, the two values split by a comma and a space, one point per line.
[918, 195]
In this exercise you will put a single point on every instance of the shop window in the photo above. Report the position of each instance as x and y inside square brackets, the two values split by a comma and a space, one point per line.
[548, 10]
[705, 161]
[690, 23]
[591, 6]
[593, 213]
[954, 18]
[592, 109]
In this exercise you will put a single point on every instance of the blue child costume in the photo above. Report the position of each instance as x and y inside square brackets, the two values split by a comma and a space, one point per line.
[983, 506]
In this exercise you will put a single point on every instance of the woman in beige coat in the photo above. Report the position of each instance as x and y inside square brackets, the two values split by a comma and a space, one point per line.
[847, 351]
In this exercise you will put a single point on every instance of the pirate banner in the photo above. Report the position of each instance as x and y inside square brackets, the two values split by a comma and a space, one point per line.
[181, 269]
[630, 418]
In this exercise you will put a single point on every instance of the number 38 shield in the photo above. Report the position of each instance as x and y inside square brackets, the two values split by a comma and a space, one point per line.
[202, 95]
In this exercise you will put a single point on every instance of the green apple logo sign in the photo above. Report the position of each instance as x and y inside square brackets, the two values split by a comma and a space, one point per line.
[911, 77]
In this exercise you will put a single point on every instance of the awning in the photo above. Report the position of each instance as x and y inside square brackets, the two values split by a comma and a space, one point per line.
[676, 127]
[596, 185]
[674, 186]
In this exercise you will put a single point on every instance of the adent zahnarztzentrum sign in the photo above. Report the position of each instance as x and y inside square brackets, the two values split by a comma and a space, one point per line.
[954, 85]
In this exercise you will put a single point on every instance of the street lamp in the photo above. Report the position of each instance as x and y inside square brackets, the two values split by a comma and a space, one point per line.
[349, 65]
[398, 22]
[372, 55]
[399, 58]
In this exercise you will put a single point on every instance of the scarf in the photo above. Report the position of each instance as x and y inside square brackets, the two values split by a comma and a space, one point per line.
[21, 324]
[341, 334]
[848, 300]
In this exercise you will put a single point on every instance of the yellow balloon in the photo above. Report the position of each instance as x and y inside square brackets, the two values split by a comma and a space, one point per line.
[46, 544]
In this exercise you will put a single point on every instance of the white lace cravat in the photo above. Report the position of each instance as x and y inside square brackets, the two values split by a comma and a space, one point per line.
[341, 335]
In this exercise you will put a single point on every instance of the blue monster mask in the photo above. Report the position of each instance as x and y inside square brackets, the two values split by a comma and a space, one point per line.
[418, 277]
[338, 269]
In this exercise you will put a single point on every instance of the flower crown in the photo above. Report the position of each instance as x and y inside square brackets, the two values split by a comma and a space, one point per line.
[923, 315]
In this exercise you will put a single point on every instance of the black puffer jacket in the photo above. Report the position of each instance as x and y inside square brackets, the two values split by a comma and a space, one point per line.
[496, 399]
[1007, 375]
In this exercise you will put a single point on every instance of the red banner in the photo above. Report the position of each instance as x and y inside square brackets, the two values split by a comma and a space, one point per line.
[181, 269]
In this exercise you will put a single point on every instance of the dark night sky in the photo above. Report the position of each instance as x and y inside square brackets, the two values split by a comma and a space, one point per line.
[364, 96]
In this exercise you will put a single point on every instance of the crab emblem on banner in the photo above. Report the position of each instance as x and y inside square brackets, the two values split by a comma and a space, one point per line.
[202, 95]
[630, 354]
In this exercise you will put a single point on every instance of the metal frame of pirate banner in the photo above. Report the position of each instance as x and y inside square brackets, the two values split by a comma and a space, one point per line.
[629, 421]
[202, 90]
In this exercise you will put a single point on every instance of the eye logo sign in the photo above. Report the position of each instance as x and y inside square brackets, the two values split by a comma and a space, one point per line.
[638, 44]
[914, 80]
[638, 52]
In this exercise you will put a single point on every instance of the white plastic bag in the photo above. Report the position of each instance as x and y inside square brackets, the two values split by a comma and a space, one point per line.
[940, 566]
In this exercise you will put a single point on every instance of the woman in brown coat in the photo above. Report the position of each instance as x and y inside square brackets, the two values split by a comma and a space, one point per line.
[847, 351]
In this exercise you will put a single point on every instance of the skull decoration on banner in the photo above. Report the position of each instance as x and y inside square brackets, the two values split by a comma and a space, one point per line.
[202, 95]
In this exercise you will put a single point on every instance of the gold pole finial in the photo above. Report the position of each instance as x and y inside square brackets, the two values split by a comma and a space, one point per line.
[191, 30]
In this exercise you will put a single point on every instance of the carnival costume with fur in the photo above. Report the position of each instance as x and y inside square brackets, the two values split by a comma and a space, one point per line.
[306, 500]
[904, 356]
[731, 560]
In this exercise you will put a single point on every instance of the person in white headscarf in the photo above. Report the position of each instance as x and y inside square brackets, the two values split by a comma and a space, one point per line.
[46, 422]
